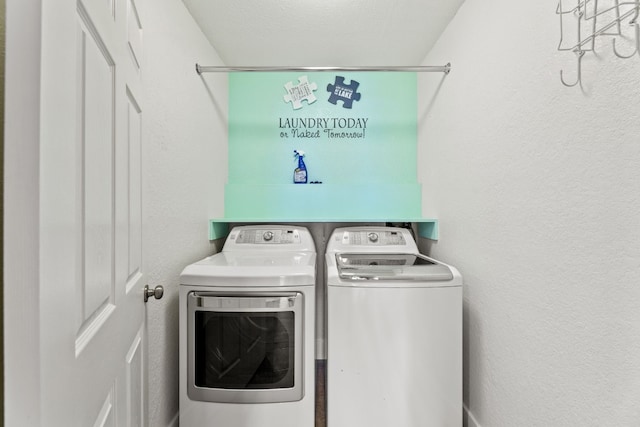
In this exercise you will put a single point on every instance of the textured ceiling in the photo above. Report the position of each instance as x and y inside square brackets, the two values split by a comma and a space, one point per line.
[322, 33]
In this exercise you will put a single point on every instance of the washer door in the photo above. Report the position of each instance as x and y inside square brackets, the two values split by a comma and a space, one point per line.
[391, 266]
[245, 348]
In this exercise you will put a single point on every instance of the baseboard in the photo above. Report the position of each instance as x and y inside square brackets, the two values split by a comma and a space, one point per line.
[468, 420]
[175, 422]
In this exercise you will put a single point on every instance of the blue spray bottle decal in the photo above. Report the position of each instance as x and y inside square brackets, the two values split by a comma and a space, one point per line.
[300, 173]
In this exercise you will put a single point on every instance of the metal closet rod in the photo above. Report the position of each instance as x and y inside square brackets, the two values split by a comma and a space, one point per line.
[420, 69]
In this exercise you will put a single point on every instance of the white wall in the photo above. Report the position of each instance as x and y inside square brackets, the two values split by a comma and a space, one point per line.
[537, 187]
[184, 171]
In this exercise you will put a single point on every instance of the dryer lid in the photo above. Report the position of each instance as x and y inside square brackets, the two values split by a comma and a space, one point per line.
[252, 269]
[391, 266]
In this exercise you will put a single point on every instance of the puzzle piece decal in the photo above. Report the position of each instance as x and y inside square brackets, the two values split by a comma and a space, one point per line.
[302, 91]
[345, 93]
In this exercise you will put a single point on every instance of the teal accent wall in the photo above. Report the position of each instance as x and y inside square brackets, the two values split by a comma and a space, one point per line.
[365, 156]
[314, 202]
[264, 129]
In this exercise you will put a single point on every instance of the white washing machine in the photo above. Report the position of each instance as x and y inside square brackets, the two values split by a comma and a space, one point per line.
[247, 317]
[394, 332]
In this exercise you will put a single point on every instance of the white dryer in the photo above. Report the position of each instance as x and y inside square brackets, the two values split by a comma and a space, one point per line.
[394, 332]
[247, 317]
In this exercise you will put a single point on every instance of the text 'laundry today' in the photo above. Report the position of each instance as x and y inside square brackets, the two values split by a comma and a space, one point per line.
[323, 123]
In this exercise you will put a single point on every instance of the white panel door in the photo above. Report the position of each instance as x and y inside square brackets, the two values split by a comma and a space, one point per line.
[92, 333]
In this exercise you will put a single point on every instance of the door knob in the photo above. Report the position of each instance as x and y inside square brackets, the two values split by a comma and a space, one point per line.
[156, 292]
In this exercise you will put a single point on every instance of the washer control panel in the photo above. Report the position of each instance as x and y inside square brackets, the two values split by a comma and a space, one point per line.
[267, 236]
[373, 237]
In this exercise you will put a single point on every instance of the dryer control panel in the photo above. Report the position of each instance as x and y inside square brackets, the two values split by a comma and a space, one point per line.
[269, 238]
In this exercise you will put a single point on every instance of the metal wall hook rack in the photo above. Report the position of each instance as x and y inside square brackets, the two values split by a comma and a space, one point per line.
[591, 21]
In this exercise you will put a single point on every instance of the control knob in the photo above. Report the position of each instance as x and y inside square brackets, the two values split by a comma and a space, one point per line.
[373, 237]
[267, 236]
